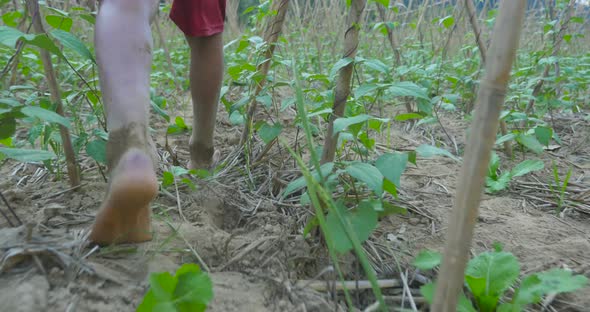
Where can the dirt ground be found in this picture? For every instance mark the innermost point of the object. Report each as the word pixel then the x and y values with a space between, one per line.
pixel 239 228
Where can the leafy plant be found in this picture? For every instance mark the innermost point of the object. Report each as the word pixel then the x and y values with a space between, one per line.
pixel 489 277
pixel 496 182
pixel 559 193
pixel 189 289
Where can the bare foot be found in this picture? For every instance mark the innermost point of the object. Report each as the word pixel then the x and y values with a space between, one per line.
pixel 202 157
pixel 124 216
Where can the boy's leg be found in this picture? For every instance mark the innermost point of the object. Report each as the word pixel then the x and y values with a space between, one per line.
pixel 206 74
pixel 202 22
pixel 123 49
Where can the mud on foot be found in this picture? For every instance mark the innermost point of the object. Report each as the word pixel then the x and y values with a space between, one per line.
pixel 124 216
pixel 202 156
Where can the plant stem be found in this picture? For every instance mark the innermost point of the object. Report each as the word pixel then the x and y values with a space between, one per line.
pixel 73 173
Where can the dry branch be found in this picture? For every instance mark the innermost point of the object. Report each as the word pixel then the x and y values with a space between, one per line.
pixel 344 77
pixel 319 285
pixel 483 52
pixel 491 96
pixel 73 173
pixel 390 35
pixel 273 30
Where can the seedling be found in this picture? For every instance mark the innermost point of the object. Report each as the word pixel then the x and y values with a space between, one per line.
pixel 496 182
pixel 189 290
pixel 560 193
pixel 490 276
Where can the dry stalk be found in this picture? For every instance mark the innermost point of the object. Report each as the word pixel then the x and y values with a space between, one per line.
pixel 483 52
pixel 392 40
pixel 491 95
pixel 320 285
pixel 273 30
pixel 344 77
pixel 73 173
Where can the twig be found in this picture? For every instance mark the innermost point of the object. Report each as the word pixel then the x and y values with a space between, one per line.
pixel 196 254
pixel 11 211
pixel 65 191
pixel 73 171
pixel 319 285
pixel 178 201
pixel 245 251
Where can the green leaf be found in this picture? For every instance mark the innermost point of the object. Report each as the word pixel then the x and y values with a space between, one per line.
pixel 384 3
pixel 526 167
pixel 368 174
pixel 72 42
pixel 489 275
pixel 345 122
pixel 505 138
pixel 427 260
pixel 27 155
pixel 510 307
pixel 363 221
pixel 392 166
pixel 544 134
pixel 377 65
pixel 59 22
pixel 365 89
pixel 427 292
pixel 300 183
pixel 530 142
pixel 160 111
pixel 268 133
pixel 179 126
pixel 178 171
pixel 408 116
pixel 310 225
pixel 46 115
pixel 561 281
pixel 390 209
pixel 493 166
pixel 7 127
pixel 167 179
pixel 265 100
pixel 9 36
pixel 43 42
pixel 10 18
pixel 463 305
pixel 97 150
pixel 236 118
pixel 148 303
pixel 426 150
pixel 529 292
pixel 389 187
pixel 188 290
pixel 501 183
pixel 162 285
pixel 406 88
pixel 194 289
pixel 159 297
pixel 448 21
pixel 343 62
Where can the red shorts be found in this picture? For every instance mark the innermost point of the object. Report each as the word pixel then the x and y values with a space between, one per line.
pixel 198 18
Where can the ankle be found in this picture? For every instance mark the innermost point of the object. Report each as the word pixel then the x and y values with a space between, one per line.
pixel 133 135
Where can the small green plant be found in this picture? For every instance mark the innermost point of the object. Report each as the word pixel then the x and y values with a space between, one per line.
pixel 496 182
pixel 490 275
pixel 189 289
pixel 560 193
pixel 177 173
